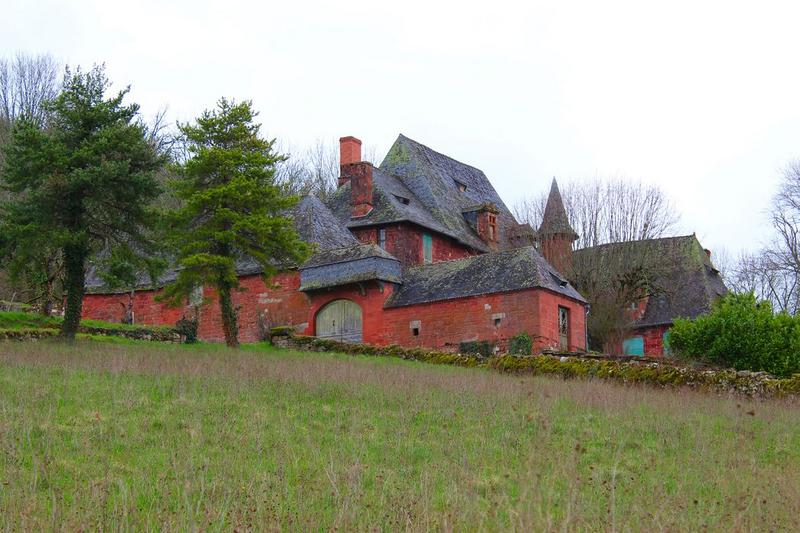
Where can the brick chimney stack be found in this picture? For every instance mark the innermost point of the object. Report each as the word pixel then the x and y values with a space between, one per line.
pixel 358 173
pixel 349 153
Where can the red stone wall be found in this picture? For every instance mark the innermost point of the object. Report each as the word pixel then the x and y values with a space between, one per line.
pixel 404 241
pixel 653 339
pixel 445 324
pixel 557 249
pixel 441 324
pixel 369 296
pixel 280 304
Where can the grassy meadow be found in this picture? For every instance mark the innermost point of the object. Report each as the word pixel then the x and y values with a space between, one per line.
pixel 106 435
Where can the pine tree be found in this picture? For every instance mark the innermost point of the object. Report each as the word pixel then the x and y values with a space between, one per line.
pixel 82 183
pixel 232 208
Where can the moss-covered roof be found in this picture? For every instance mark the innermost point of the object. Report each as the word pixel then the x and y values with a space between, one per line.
pixel 685 283
pixel 314 222
pixel 345 266
pixel 494 272
pixel 417 184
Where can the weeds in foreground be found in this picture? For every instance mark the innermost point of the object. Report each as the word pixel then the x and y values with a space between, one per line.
pixel 102 435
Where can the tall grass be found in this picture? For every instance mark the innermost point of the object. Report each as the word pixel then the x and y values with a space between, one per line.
pixel 147 436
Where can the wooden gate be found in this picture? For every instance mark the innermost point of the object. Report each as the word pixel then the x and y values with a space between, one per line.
pixel 340 320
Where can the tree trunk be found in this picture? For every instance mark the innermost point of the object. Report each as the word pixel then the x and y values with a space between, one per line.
pixel 74 259
pixel 229 325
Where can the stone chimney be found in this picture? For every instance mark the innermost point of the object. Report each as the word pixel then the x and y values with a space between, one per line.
pixel 358 173
pixel 349 153
pixel 487 225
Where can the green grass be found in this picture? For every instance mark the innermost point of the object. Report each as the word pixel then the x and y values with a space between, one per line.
pixel 150 436
pixel 17 320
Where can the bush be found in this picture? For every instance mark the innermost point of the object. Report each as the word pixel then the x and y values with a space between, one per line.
pixel 187 328
pixel 520 344
pixel 484 348
pixel 742 333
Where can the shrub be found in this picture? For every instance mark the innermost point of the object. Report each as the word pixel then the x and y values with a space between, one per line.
pixel 483 348
pixel 187 328
pixel 520 344
pixel 742 333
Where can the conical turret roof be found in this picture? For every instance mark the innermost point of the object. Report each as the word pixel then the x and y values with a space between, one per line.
pixel 555 220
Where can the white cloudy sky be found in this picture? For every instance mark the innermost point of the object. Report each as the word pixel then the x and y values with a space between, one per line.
pixel 700 97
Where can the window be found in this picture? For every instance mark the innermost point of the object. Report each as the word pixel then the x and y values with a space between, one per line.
pixel 382 238
pixel 415 332
pixel 492 219
pixel 665 342
pixel 427 248
pixel 402 199
pixel 461 187
pixel 497 322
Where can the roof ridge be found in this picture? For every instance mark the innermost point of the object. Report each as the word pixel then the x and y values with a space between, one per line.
pixel 428 148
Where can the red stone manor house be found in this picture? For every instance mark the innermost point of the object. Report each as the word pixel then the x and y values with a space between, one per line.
pixel 420 251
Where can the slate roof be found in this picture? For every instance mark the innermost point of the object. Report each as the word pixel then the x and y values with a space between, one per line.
pixel 494 272
pixel 431 182
pixel 314 222
pixel 555 220
pixel 686 284
pixel 387 206
pixel 344 266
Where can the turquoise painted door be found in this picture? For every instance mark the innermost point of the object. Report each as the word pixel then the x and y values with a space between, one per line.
pixel 340 320
pixel 633 346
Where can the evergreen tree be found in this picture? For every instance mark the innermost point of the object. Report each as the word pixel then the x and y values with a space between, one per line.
pixel 82 184
pixel 232 208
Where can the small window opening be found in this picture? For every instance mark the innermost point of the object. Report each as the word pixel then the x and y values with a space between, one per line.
pixel 382 238
pixel 492 227
pixel 415 332
pixel 497 322
pixel 402 199
pixel 461 187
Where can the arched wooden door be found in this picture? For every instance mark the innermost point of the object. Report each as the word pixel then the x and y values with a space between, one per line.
pixel 340 320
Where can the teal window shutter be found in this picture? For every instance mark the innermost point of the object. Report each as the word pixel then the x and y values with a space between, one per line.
pixel 427 248
pixel 633 346
pixel 665 342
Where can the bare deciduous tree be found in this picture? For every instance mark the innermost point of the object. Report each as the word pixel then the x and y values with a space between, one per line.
pixel 604 211
pixel 773 272
pixel 314 170
pixel 26 84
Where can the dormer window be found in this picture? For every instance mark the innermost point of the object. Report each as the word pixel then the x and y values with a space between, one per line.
pixel 492 221
pixel 402 199
pixel 461 186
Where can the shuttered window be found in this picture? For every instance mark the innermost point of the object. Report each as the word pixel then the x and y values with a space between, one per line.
pixel 427 248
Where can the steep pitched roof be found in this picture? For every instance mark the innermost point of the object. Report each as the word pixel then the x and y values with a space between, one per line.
pixel 686 281
pixel 392 202
pixel 495 272
pixel 314 222
pixel 439 190
pixel 555 220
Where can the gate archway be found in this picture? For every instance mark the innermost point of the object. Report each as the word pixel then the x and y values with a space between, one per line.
pixel 340 320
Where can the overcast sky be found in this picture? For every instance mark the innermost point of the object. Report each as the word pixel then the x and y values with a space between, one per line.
pixel 701 98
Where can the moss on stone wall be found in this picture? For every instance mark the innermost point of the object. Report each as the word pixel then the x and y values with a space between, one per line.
pixel 755 384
